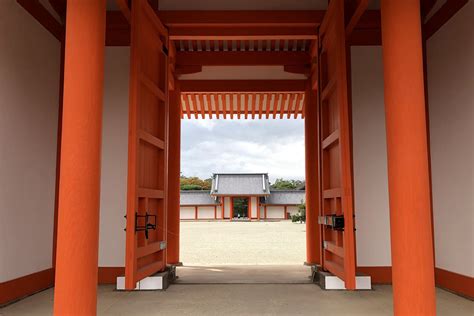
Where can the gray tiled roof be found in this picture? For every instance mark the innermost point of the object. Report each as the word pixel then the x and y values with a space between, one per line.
pixel 288 197
pixel 241 183
pixel 196 198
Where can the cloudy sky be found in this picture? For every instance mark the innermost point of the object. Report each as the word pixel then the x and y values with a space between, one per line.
pixel 273 146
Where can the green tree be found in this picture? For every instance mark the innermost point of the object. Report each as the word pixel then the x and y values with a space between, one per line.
pixel 301 215
pixel 281 184
pixel 195 183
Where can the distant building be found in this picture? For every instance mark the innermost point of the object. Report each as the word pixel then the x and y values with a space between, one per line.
pixel 244 195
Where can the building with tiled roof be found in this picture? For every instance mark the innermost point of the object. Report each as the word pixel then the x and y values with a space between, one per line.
pixel 240 195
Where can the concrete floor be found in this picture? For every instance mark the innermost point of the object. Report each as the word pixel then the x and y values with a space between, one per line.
pixel 244 274
pixel 242 299
pixel 209 285
pixel 236 243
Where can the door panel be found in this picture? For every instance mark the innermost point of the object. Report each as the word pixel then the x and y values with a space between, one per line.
pixel 147 146
pixel 335 149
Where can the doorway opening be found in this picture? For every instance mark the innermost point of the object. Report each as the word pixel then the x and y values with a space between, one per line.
pixel 240 208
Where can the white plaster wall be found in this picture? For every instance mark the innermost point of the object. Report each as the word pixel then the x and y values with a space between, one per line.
pixel 275 212
pixel 450 53
pixel 29 89
pixel 206 212
pixel 253 206
pixel 292 210
pixel 219 212
pixel 187 212
pixel 372 217
pixel 227 207
pixel 113 196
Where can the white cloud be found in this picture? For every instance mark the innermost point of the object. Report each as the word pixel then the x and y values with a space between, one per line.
pixel 273 146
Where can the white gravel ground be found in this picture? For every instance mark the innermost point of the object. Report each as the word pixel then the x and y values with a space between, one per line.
pixel 242 243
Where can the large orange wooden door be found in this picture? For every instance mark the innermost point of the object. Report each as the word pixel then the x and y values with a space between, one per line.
pixel 147 146
pixel 337 215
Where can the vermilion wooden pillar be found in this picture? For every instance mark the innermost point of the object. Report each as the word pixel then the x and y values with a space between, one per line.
pixel 408 173
pixel 79 191
pixel 313 240
pixel 174 156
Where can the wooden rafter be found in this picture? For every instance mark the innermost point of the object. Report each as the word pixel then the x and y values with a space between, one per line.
pixel 446 12
pixel 354 19
pixel 262 103
pixel 239 105
pixel 269 101
pixel 216 105
pixel 188 106
pixel 275 104
pixel 246 101
pixel 253 97
pixel 44 17
pixel 283 103
pixel 231 105
pixel 221 97
pixel 194 97
pixel 291 99
pixel 299 97
pixel 258 105
pixel 201 105
pixel 124 8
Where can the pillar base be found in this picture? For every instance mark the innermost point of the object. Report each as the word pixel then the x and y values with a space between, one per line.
pixel 328 281
pixel 158 282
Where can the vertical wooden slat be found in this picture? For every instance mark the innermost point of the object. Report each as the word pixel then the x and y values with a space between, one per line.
pixel 239 105
pixel 275 104
pixel 299 99
pixel 269 103
pixel 283 104
pixel 221 98
pixel 246 103
pixel 254 104
pixel 291 103
pixel 201 105
pixel 231 104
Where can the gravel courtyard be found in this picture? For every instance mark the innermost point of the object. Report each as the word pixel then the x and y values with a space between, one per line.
pixel 242 243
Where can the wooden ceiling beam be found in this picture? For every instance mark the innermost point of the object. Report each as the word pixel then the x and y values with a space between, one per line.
pixel 44 17
pixel 237 24
pixel 443 15
pixel 263 18
pixel 125 9
pixel 298 69
pixel 259 58
pixel 356 15
pixel 242 85
pixel 187 69
pixel 59 6
pixel 243 33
